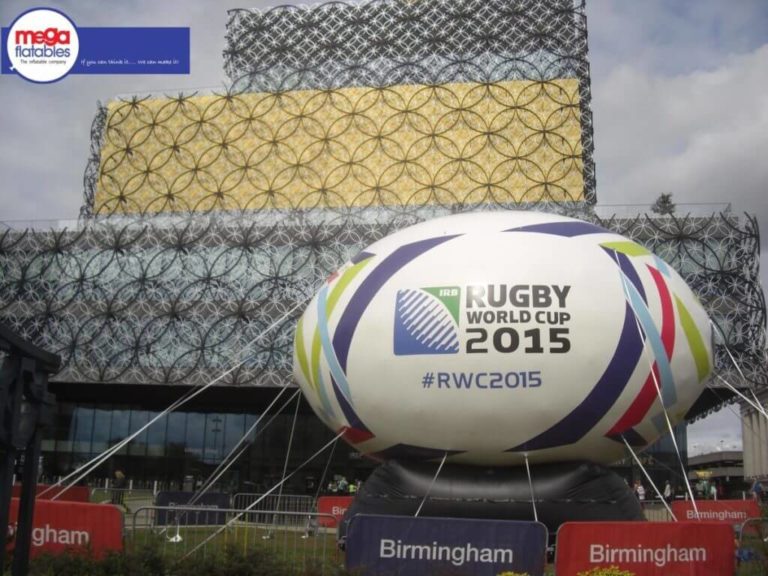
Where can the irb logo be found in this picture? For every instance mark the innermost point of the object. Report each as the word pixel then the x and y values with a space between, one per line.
pixel 427 321
pixel 49 36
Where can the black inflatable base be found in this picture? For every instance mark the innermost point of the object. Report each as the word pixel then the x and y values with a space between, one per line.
pixel 563 492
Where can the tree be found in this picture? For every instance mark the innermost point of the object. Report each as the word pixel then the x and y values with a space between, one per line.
pixel 663 205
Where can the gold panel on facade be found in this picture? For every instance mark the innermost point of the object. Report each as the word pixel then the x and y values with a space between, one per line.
pixel 462 143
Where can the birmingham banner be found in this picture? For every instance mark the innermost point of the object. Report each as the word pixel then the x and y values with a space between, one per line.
pixel 410 546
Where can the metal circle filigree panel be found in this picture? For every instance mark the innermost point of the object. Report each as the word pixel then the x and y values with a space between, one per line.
pixel 182 300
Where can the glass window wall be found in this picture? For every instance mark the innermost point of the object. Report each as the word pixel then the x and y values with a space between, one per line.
pixel 192 443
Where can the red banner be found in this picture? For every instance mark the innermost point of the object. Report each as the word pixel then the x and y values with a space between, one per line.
pixel 647 548
pixel 58 526
pixel 336 505
pixel 73 494
pixel 727 511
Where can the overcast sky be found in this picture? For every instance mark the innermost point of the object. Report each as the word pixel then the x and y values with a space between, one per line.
pixel 679 100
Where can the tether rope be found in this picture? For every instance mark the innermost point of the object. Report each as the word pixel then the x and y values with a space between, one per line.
pixel 657 385
pixel 653 485
pixel 263 496
pixel 285 464
pixel 530 487
pixel 241 445
pixel 431 484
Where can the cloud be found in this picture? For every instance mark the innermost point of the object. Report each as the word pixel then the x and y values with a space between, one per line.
pixel 700 135
pixel 720 431
pixel 671 37
pixel 679 103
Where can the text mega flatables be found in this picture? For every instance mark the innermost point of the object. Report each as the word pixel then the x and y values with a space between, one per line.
pixel 488 336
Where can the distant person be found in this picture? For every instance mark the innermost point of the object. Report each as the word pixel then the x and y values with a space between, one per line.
pixel 667 491
pixel 713 491
pixel 343 485
pixel 757 490
pixel 640 491
pixel 118 488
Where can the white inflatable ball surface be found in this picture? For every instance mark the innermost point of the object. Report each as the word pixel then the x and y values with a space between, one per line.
pixel 492 335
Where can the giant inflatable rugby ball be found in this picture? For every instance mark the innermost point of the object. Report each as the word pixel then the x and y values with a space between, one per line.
pixel 490 336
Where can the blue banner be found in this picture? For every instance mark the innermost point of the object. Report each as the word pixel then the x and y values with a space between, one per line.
pixel 126 51
pixel 407 546
pixel 211 501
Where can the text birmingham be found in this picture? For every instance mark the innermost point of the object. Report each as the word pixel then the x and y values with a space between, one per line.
pixel 456 555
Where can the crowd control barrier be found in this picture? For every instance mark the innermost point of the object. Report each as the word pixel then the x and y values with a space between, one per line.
pixel 274 501
pixel 753 545
pixel 297 539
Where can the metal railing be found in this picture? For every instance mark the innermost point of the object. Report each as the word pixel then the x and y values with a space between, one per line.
pixel 690 209
pixel 655 511
pixel 282 503
pixel 298 540
pixel 128 498
pixel 752 552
